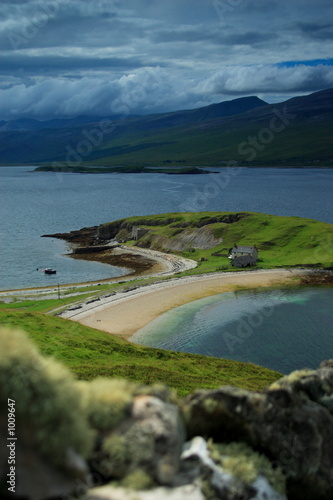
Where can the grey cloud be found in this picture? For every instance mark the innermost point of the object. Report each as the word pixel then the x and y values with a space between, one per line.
pixel 194 34
pixel 242 80
pixel 147 90
pixel 316 30
pixel 89 56
pixel 44 65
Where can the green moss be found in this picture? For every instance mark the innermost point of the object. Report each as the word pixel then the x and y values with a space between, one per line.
pixel 246 464
pixel 294 377
pixel 118 456
pixel 138 480
pixel 210 405
pixel 47 400
pixel 106 402
pixel 128 451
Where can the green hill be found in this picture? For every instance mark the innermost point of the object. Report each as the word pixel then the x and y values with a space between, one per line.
pixel 247 131
pixel 281 241
pixel 90 353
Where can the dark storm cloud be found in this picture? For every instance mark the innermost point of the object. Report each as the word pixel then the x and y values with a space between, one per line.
pixel 67 57
pixel 317 31
pixel 217 38
pixel 54 64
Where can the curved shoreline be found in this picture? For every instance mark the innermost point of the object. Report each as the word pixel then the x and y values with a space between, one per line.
pixel 124 313
pixel 142 261
pixel 152 264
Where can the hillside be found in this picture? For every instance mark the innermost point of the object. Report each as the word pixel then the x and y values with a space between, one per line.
pixel 91 353
pixel 207 237
pixel 247 131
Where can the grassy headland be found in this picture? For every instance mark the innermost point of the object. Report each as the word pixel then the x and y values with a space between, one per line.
pixel 207 237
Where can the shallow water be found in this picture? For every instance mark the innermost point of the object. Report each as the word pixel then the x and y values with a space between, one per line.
pixel 284 330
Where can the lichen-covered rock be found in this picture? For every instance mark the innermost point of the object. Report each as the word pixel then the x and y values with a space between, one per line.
pixel 107 402
pixel 52 434
pixel 150 439
pixel 291 422
pixel 232 472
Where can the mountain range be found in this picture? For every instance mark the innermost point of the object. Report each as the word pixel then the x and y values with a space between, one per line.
pixel 245 131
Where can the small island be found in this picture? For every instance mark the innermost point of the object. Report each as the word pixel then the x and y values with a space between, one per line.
pixel 123 170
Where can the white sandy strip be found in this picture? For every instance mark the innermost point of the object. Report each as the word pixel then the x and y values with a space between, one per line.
pixel 165 265
pixel 168 263
pixel 124 313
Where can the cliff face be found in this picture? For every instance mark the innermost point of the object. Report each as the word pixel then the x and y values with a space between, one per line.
pixel 186 234
pixel 125 440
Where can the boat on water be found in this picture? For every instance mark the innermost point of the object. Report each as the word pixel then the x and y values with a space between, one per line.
pixel 48 270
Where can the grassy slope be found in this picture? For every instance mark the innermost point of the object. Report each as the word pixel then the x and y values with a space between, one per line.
pixel 281 241
pixel 296 144
pixel 91 353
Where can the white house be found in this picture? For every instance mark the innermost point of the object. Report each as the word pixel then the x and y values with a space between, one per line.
pixel 241 251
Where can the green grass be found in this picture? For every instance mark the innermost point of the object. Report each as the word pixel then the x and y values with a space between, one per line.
pixel 90 353
pixel 298 144
pixel 281 241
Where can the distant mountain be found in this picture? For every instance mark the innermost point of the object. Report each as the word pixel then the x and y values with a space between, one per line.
pixel 31 124
pixel 248 131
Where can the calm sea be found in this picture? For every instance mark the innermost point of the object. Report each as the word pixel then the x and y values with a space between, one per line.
pixel 284 330
pixel 32 204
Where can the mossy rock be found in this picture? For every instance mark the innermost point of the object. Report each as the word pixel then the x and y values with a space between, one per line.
pixel 46 397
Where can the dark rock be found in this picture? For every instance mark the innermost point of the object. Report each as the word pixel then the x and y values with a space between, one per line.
pixel 150 439
pixel 291 423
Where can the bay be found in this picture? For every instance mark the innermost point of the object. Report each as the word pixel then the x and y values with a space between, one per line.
pixel 285 329
pixel 32 204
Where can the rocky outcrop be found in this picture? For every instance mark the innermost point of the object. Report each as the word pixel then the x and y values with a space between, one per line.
pixel 201 238
pixel 291 423
pixel 114 439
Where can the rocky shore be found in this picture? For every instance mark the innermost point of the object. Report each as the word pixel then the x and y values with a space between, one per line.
pixel 88 244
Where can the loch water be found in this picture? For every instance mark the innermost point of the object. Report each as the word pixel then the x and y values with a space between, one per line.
pixel 282 329
pixel 33 204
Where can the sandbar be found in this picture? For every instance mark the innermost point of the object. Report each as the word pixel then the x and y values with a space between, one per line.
pixel 125 313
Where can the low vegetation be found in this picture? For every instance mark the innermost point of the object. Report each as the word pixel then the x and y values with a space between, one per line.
pixel 91 353
pixel 281 241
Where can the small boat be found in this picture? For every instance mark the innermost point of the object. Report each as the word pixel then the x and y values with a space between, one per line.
pixel 48 270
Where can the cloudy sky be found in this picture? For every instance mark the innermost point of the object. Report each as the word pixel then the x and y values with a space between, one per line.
pixel 62 58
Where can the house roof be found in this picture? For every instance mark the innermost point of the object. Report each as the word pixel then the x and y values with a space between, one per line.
pixel 242 249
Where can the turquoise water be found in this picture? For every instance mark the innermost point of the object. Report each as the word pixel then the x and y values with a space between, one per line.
pixel 284 330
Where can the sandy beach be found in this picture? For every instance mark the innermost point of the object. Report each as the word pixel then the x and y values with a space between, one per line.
pixel 124 313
